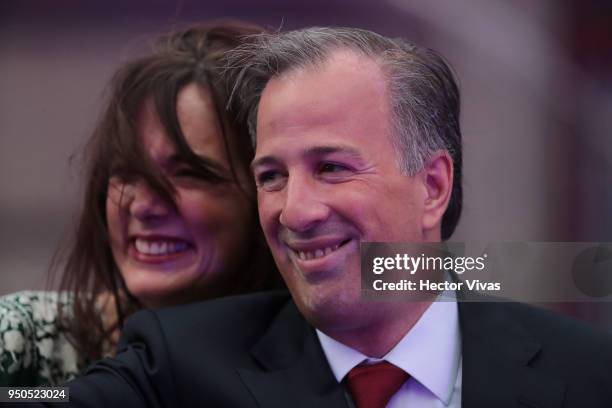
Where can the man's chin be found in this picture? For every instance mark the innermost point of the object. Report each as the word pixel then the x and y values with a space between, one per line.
pixel 329 309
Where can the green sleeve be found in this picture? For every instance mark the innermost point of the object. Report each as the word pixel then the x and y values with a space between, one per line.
pixel 18 354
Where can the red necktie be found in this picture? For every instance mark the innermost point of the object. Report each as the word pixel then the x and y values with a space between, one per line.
pixel 372 386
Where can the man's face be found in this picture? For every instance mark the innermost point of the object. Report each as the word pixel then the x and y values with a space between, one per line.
pixel 327 179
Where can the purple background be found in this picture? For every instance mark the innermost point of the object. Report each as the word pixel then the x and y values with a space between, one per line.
pixel 535 77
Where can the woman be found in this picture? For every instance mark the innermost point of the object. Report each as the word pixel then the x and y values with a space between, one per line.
pixel 169 212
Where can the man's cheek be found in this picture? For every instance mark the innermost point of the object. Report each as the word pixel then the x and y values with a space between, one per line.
pixel 264 210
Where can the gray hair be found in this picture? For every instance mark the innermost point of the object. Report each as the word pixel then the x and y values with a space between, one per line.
pixel 423 94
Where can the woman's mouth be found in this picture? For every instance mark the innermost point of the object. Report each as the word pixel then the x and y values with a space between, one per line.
pixel 159 247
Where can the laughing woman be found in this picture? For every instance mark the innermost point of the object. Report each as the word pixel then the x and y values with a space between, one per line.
pixel 168 217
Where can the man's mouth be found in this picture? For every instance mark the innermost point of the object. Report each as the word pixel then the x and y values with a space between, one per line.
pixel 316 249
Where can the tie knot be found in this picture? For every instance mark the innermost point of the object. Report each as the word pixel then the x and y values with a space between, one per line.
pixel 372 386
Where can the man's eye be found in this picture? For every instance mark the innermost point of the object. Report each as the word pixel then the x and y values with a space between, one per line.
pixel 332 168
pixel 270 180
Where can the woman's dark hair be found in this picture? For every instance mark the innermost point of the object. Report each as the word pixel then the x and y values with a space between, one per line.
pixel 192 55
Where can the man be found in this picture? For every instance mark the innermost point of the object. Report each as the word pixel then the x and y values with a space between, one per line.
pixel 357 140
pixel 336 165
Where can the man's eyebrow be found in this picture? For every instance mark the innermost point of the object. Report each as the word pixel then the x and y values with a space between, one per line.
pixel 261 161
pixel 325 150
pixel 310 152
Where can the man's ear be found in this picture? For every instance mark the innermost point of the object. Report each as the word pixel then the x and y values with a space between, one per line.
pixel 438 178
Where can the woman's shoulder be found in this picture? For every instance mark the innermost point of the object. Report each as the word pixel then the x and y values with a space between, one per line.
pixel 33 346
pixel 34 300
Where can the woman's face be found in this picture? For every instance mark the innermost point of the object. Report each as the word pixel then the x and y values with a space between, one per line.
pixel 166 255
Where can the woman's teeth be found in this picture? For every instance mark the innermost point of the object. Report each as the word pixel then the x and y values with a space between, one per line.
pixel 159 247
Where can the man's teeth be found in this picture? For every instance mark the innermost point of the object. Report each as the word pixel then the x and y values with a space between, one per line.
pixel 318 253
pixel 159 247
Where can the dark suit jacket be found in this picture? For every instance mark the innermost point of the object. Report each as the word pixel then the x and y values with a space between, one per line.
pixel 258 351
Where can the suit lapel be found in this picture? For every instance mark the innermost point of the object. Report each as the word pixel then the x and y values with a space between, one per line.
pixel 497 361
pixel 295 372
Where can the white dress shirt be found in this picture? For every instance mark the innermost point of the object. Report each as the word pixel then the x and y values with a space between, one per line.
pixel 430 352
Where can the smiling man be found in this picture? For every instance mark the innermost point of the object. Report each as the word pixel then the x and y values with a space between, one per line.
pixel 328 178
pixel 357 139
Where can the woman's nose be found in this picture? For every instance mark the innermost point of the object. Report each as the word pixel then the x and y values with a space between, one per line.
pixel 146 203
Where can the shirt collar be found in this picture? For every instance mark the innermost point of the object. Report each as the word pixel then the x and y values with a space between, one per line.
pixel 430 352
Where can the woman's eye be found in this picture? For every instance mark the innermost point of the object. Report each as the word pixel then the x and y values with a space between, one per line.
pixel 119 187
pixel 206 175
pixel 270 180
pixel 122 176
pixel 187 173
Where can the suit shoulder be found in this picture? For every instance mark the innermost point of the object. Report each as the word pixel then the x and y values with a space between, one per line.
pixel 241 307
pixel 229 317
pixel 551 324
pixel 576 342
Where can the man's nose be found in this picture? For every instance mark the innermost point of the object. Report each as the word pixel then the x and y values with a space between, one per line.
pixel 304 206
pixel 146 204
